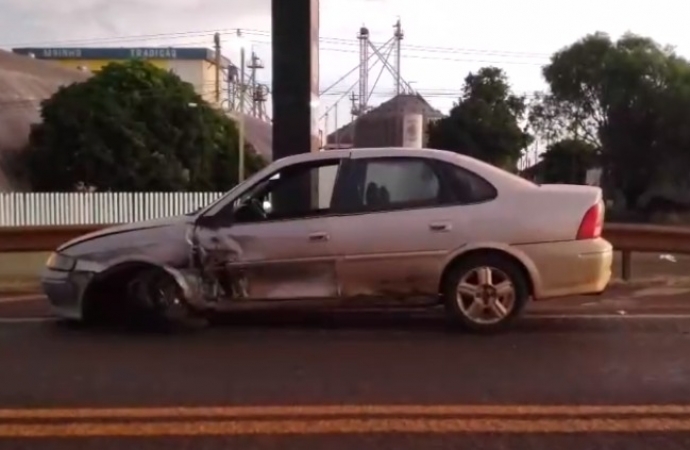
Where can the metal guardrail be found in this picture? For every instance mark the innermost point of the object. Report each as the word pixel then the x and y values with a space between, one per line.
pixel 629 238
pixel 41 238
pixel 626 238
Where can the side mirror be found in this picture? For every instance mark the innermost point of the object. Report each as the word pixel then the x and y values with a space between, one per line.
pixel 215 221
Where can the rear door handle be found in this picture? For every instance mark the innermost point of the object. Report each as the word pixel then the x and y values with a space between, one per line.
pixel 319 237
pixel 440 226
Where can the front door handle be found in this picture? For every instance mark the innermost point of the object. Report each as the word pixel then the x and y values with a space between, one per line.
pixel 440 226
pixel 319 236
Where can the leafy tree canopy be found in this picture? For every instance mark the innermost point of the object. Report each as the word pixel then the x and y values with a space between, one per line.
pixel 485 123
pixel 134 127
pixel 629 97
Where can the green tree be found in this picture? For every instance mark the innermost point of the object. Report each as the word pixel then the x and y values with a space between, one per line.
pixel 133 127
pixel 575 107
pixel 567 161
pixel 628 97
pixel 485 123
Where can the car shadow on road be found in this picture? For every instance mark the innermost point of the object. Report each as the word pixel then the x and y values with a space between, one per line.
pixel 425 321
pixel 281 319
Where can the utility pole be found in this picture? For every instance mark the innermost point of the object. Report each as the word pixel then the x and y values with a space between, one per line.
pixel 399 35
pixel 337 134
pixel 216 45
pixel 241 112
pixel 325 130
pixel 257 98
pixel 262 95
pixel 295 91
pixel 232 86
pixel 354 110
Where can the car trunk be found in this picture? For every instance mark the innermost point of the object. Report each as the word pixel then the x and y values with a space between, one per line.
pixel 558 210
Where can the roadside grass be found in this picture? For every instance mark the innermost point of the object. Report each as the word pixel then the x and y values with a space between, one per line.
pixel 20 272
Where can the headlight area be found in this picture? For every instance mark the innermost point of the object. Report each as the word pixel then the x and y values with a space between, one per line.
pixel 63 263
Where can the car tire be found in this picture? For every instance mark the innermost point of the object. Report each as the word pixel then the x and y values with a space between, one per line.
pixel 162 303
pixel 485 292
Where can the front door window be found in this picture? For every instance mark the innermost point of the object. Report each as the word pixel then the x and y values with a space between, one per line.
pixel 300 191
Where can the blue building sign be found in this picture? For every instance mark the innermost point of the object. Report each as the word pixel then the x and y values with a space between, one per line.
pixel 114 53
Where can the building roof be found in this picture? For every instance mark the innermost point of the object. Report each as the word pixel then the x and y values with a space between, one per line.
pixel 24 83
pixel 122 53
pixel 534 170
pixel 397 106
pixel 259 134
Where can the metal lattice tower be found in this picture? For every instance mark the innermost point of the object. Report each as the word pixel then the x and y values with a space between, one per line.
pixel 370 55
pixel 363 93
pixel 398 35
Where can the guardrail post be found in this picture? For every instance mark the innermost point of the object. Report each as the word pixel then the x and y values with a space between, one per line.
pixel 626 264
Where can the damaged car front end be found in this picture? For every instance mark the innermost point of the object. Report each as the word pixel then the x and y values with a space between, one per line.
pixel 153 267
pixel 145 266
pixel 176 267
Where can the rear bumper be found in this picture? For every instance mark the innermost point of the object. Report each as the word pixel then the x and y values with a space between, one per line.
pixel 570 268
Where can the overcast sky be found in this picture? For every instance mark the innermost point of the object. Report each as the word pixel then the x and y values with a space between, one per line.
pixel 446 39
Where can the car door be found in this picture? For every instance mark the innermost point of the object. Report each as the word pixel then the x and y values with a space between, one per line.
pixel 286 254
pixel 402 224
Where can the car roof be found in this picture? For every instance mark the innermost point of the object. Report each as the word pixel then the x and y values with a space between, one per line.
pixel 366 152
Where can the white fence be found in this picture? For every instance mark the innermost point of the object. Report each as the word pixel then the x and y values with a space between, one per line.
pixel 26 209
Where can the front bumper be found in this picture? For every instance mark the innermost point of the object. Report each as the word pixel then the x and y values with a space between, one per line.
pixel 65 291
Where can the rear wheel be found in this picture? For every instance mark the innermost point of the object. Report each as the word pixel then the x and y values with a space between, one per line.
pixel 485 292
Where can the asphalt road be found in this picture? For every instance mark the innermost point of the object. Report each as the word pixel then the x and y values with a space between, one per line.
pixel 579 374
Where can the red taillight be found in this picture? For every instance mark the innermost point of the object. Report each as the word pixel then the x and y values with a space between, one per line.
pixel 592 223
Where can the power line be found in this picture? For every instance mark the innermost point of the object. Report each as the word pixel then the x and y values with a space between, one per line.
pixel 266 34
pixel 446 93
pixel 207 88
pixel 353 70
pixel 420 57
pixel 114 39
pixel 438 58
pixel 426 48
pixel 334 44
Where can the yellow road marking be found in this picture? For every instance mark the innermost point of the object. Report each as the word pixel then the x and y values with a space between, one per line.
pixel 229 412
pixel 341 419
pixel 342 426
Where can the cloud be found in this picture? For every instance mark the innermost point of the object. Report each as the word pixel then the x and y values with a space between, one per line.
pixel 97 23
pixel 28 21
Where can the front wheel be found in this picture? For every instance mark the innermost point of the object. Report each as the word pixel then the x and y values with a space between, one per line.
pixel 485 292
pixel 161 300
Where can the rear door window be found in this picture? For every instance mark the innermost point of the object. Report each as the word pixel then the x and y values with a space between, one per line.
pixel 397 183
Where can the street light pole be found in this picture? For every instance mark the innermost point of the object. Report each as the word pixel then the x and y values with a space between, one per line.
pixel 241 110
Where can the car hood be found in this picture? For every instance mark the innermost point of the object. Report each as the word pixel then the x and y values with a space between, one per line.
pixel 126 228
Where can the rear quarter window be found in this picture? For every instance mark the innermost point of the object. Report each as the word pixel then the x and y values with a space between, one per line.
pixel 467 187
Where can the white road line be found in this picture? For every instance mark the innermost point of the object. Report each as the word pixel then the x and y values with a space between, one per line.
pixel 664 316
pixel 21 298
